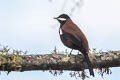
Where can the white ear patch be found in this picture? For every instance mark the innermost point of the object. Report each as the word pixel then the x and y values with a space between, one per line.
pixel 62 19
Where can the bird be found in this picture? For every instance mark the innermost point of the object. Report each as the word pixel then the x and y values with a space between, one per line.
pixel 72 37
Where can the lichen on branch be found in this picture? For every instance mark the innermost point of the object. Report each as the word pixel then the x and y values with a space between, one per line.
pixel 17 61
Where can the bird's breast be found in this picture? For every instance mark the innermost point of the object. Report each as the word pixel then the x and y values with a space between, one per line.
pixel 66 40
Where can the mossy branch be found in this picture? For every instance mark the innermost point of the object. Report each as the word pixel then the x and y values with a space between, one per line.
pixel 56 61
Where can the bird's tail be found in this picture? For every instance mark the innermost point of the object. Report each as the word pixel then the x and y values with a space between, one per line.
pixel 89 64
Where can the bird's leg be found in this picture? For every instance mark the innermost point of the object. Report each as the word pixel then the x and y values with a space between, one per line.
pixel 78 52
pixel 71 51
pixel 66 51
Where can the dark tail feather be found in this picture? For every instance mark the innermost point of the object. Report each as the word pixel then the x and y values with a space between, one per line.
pixel 89 64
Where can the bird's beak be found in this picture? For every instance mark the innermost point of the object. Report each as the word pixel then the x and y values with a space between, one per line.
pixel 55 18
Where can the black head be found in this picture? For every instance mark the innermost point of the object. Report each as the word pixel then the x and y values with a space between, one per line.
pixel 62 18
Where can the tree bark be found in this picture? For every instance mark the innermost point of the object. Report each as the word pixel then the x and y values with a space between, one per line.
pixel 56 61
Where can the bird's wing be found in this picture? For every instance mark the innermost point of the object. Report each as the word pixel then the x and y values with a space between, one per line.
pixel 75 32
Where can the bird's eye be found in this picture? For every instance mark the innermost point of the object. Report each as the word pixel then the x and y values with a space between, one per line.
pixel 62 19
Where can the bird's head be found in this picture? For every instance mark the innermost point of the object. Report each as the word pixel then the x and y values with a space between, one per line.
pixel 62 18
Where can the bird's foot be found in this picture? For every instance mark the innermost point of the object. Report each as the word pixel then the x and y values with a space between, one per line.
pixel 71 51
pixel 78 53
